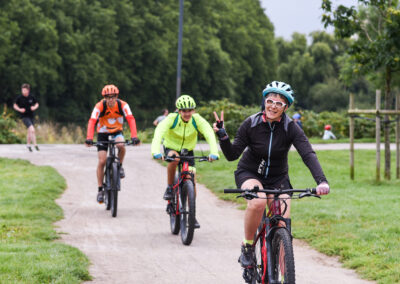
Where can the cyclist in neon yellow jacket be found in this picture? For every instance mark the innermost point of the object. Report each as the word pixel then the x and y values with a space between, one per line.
pixel 179 131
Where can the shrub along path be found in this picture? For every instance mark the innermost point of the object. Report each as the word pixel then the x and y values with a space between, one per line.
pixel 137 246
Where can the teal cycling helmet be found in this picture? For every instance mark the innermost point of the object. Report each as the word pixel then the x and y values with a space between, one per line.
pixel 185 102
pixel 280 88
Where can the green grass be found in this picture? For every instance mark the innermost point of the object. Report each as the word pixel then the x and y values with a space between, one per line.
pixel 28 252
pixel 358 221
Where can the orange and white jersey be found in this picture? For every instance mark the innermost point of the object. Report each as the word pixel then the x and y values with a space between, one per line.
pixel 111 120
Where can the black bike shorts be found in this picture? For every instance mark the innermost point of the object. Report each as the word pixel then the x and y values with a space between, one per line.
pixel 190 153
pixel 104 137
pixel 28 121
pixel 242 175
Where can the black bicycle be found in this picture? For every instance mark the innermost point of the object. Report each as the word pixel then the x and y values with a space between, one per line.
pixel 182 207
pixel 112 180
pixel 274 259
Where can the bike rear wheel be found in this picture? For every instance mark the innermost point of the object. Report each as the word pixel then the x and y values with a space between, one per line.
pixel 283 270
pixel 172 211
pixel 115 182
pixel 188 212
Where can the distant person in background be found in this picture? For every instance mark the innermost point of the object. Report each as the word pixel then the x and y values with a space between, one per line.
pixel 296 118
pixel 160 118
pixel 26 104
pixel 328 134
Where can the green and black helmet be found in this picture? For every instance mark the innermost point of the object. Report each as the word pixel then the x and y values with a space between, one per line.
pixel 185 102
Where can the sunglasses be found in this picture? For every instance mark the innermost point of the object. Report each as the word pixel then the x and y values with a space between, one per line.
pixel 110 97
pixel 278 104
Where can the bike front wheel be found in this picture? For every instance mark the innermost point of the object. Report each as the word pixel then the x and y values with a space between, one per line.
pixel 188 212
pixel 282 259
pixel 115 182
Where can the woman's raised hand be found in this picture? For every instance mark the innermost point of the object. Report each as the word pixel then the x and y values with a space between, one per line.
pixel 219 122
pixel 218 126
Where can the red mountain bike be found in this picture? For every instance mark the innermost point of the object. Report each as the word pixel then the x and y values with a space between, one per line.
pixel 274 259
pixel 182 207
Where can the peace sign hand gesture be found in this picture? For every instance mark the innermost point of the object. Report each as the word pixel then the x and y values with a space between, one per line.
pixel 219 122
pixel 218 126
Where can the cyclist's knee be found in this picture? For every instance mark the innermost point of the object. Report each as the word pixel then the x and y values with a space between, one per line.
pixel 257 204
pixel 102 158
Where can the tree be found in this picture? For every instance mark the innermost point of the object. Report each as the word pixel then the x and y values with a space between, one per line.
pixel 376 47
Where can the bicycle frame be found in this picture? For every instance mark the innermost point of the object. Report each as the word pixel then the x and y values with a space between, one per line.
pixel 183 174
pixel 111 158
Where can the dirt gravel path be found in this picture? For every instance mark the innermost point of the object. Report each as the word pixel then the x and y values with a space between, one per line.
pixel 137 246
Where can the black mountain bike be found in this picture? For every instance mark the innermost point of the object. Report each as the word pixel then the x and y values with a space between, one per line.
pixel 274 259
pixel 182 207
pixel 112 180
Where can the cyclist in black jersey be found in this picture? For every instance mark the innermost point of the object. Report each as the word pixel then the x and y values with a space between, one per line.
pixel 265 138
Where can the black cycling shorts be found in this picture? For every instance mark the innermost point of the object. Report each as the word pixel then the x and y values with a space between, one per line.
pixel 28 121
pixel 104 137
pixel 190 153
pixel 242 175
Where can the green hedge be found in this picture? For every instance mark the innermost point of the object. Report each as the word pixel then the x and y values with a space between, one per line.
pixel 313 123
pixel 7 126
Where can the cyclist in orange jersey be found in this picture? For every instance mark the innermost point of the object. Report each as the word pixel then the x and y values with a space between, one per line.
pixel 109 114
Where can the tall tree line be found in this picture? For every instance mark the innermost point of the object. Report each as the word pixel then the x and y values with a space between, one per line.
pixel 69 49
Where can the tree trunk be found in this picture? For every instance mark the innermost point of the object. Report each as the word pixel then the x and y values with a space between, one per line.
pixel 388 105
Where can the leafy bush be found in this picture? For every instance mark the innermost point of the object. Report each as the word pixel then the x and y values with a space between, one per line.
pixel 7 126
pixel 313 122
pixel 234 114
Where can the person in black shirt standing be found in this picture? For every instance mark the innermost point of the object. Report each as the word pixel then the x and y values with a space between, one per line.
pixel 265 139
pixel 26 104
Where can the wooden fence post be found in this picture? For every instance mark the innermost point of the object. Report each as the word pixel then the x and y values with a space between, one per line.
pixel 397 137
pixel 351 134
pixel 378 136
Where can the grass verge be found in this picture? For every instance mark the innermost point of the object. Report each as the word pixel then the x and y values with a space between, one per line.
pixel 28 253
pixel 359 220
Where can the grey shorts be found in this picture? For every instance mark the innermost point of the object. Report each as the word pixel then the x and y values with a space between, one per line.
pixel 28 121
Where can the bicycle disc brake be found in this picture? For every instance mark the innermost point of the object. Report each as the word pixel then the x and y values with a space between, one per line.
pixel 170 209
pixel 248 274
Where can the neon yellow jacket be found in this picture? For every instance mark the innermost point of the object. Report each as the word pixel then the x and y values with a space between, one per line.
pixel 179 134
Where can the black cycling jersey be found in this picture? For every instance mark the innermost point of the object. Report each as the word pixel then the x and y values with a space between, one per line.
pixel 26 103
pixel 267 146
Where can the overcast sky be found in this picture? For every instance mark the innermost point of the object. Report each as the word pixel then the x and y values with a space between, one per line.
pixel 303 16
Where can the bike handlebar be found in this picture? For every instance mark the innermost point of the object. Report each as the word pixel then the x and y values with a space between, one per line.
pixel 251 193
pixel 101 143
pixel 185 158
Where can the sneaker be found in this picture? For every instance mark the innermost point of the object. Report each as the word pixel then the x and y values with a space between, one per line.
pixel 196 224
pixel 246 259
pixel 29 148
pixel 121 172
pixel 37 148
pixel 100 197
pixel 168 193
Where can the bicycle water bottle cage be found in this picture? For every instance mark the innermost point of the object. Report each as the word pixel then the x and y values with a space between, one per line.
pixel 184 152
